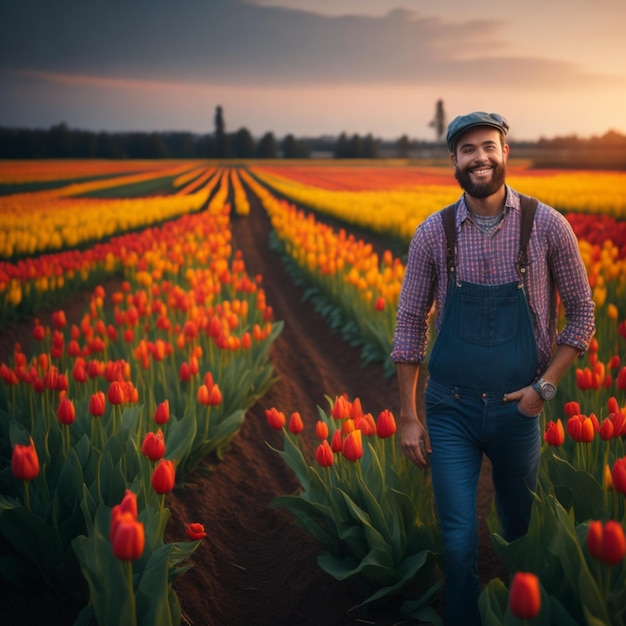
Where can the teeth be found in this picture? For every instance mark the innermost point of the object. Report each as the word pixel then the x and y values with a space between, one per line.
pixel 484 171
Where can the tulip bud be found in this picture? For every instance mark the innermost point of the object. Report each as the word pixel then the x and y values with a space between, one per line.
pixel 164 477
pixel 525 596
pixel 128 539
pixel 386 425
pixel 66 412
pixel 619 475
pixel 24 461
pixel 353 446
pixel 321 430
pixel 116 393
pixel 153 445
pixel 554 435
pixel 324 455
pixel 275 418
pixel 162 413
pixel 296 424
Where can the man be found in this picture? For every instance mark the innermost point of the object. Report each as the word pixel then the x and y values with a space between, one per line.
pixel 497 356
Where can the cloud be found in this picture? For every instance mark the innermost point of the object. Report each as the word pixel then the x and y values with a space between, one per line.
pixel 229 42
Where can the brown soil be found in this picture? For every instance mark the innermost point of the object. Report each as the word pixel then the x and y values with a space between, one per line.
pixel 256 567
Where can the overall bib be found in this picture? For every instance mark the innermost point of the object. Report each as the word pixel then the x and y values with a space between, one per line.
pixel 485 348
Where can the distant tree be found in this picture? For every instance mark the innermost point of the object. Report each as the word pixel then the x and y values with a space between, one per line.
pixel 342 147
pixel 355 147
pixel 294 149
pixel 439 121
pixel 404 147
pixel 369 148
pixel 267 146
pixel 60 141
pixel 222 146
pixel 243 144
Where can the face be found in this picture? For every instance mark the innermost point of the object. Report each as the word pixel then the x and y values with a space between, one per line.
pixel 480 161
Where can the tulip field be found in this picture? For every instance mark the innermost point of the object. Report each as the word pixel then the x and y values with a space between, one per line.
pixel 110 409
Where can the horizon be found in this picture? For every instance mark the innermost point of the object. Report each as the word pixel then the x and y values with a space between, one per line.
pixel 314 67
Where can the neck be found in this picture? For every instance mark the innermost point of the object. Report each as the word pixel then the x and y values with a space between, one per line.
pixel 491 205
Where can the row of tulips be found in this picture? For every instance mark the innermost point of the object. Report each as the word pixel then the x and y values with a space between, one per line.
pixel 58 219
pixel 110 413
pixel 355 290
pixel 36 282
pixel 407 199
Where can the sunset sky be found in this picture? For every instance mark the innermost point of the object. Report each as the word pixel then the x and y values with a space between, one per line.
pixel 314 67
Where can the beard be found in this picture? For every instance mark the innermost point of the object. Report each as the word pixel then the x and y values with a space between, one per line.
pixel 481 190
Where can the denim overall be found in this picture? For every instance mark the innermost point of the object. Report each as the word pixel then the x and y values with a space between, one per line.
pixel 485 348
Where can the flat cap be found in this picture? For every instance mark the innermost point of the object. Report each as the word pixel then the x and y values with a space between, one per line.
pixel 479 118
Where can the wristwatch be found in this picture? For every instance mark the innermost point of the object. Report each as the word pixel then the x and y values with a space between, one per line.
pixel 545 389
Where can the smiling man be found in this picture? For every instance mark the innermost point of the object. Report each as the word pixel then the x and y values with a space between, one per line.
pixel 494 265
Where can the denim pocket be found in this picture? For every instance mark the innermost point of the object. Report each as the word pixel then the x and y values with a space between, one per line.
pixel 486 323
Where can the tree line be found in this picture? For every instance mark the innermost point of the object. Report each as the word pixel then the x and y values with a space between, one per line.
pixel 61 141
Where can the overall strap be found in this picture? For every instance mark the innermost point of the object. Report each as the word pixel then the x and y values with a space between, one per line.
pixel 528 210
pixel 449 227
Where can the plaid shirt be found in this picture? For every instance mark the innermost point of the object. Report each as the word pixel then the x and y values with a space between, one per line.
pixel 556 271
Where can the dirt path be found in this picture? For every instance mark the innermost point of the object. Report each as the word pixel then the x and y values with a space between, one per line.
pixel 256 567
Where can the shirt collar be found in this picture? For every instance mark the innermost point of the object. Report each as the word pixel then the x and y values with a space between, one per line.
pixel 511 203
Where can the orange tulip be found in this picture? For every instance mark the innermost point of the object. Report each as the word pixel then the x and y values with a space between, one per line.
pixel 341 408
pixel 24 461
pixel 353 446
pixel 554 435
pixel 275 418
pixel 296 425
pixel 164 477
pixel 594 539
pixel 525 596
pixel 321 430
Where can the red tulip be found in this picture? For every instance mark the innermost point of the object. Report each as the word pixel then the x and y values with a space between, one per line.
pixel 275 418
pixel 66 412
pixel 619 475
pixel 324 455
pixel 525 596
pixel 621 379
pixel 606 429
pixel 116 393
pixel 296 425
pixel 613 405
pixel 341 408
pixel 195 531
pixel 613 543
pixel 554 435
pixel 379 304
pixel 336 443
pixel 594 539
pixel 153 445
pixel 24 461
pixel 162 413
pixel 164 477
pixel 572 408
pixel 353 446
pixel 386 425
pixel 203 395
pixel 128 537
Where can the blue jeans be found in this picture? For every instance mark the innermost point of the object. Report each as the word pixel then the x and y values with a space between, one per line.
pixel 462 425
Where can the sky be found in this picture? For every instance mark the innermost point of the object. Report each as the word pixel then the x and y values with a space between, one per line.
pixel 313 67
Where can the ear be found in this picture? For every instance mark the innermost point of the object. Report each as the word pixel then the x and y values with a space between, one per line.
pixel 453 158
pixel 505 151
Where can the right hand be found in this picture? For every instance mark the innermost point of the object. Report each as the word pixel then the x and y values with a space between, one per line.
pixel 415 442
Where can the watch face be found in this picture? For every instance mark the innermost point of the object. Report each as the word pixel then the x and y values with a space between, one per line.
pixel 548 391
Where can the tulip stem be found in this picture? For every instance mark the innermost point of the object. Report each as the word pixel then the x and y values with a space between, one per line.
pixel 26 495
pixel 131 588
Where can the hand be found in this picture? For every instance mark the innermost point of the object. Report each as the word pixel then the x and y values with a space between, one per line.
pixel 415 442
pixel 529 402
